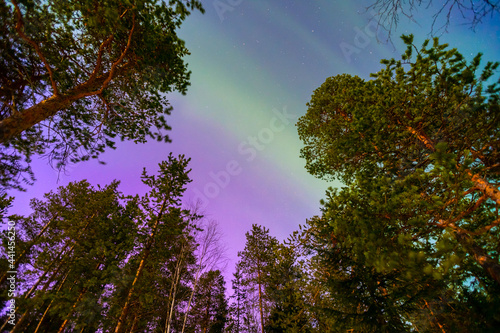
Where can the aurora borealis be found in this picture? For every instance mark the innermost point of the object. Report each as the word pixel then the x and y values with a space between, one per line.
pixel 254 67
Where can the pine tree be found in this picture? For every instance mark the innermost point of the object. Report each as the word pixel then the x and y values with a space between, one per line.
pixel 64 268
pixel 164 230
pixel 417 150
pixel 93 256
pixel 89 72
pixel 288 311
pixel 209 312
pixel 238 298
pixel 256 261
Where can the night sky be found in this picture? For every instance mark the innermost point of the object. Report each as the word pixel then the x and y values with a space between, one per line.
pixel 254 67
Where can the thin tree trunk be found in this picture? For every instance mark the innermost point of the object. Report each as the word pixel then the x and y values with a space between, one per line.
pixel 5 323
pixel 145 255
pixel 50 304
pixel 82 293
pixel 47 283
pixel 61 262
pixel 43 316
pixel 260 302
pixel 191 298
pixel 24 315
pixel 19 322
pixel 138 273
pixel 134 323
pixel 176 281
pixel 26 296
pixel 65 322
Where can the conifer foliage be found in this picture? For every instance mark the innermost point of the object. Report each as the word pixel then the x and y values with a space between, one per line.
pixel 416 224
pixel 92 259
pixel 77 75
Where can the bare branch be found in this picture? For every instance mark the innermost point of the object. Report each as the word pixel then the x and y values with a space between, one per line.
pixel 389 11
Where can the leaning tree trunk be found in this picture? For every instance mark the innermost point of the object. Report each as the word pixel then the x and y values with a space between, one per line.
pixel 45 312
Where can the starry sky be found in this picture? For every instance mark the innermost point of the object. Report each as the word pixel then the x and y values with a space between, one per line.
pixel 254 66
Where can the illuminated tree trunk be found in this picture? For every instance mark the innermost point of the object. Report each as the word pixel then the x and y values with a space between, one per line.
pixel 65 322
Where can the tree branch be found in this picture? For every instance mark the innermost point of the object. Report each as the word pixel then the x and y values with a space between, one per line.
pixel 19 29
pixel 120 59
pixel 99 57
pixel 21 121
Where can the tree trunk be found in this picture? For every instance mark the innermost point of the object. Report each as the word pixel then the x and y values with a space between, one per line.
pixel 190 299
pixel 260 302
pixel 175 282
pixel 43 316
pixel 82 293
pixel 134 323
pixel 48 307
pixel 145 255
pixel 65 322
pixel 47 283
pixel 33 288
pixel 58 267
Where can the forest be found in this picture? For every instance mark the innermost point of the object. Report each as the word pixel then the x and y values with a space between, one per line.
pixel 409 243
